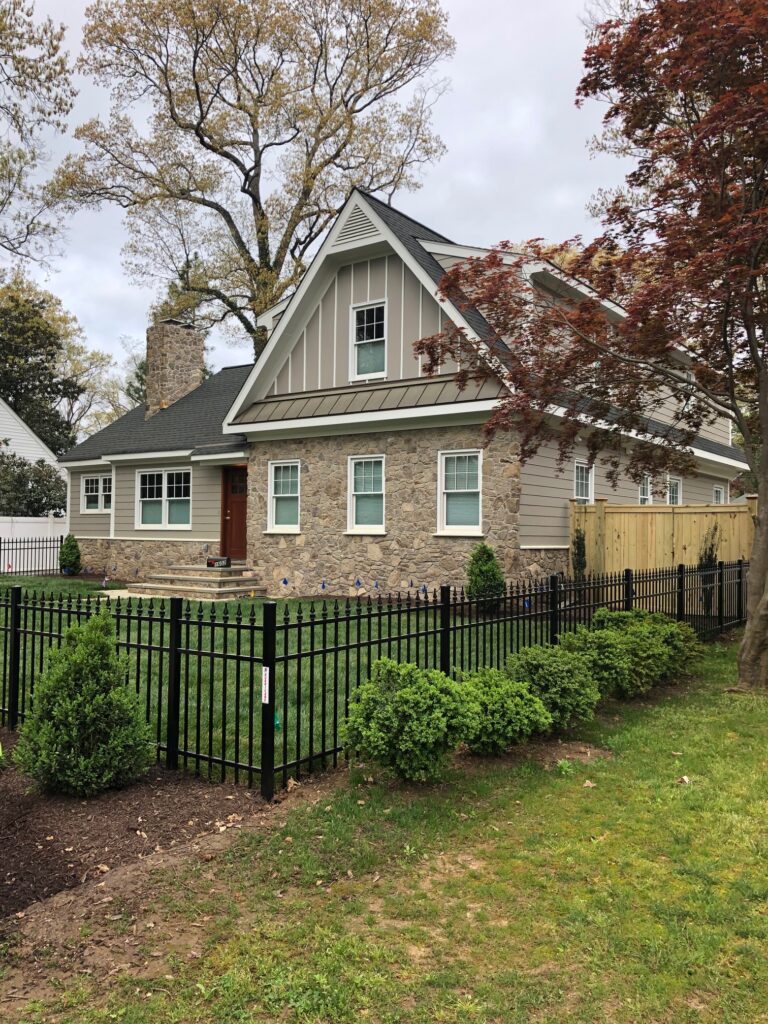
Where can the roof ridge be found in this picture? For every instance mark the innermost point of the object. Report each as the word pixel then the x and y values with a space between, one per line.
pixel 405 216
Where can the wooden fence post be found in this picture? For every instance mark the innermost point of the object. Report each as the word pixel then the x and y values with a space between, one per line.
pixel 174 684
pixel 14 651
pixel 268 650
pixel 599 537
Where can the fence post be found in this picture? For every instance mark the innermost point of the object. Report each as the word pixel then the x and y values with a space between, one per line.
pixel 174 684
pixel 629 590
pixel 445 629
pixel 269 626
pixel 14 660
pixel 554 608
pixel 740 591
pixel 721 597
pixel 681 592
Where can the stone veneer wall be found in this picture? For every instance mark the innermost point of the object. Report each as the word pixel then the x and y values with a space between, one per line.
pixel 131 560
pixel 408 551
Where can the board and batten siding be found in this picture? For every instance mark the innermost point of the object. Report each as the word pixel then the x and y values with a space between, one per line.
pixel 320 357
pixel 545 495
pixel 90 524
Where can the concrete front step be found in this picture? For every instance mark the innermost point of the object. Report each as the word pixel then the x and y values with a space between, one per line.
pixel 214 583
pixel 197 593
pixel 202 570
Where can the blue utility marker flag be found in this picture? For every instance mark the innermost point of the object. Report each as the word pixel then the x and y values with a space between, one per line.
pixel 423 588
pixel 358 583
pixel 284 581
pixel 376 585
pixel 410 584
pixel 323 585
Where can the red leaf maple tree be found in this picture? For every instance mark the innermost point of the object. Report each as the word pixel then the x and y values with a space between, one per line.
pixel 672 311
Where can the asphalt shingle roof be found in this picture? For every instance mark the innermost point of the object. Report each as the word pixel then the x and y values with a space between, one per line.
pixel 192 422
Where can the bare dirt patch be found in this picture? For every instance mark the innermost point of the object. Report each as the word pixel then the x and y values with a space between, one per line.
pixel 549 752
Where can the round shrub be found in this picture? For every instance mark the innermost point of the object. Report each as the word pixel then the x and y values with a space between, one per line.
pixel 658 648
pixel 86 732
pixel 610 664
pixel 560 679
pixel 507 712
pixel 485 580
pixel 408 719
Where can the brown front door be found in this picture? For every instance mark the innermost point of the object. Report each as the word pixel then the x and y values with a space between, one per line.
pixel 234 501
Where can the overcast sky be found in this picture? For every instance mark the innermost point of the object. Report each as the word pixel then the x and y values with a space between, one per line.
pixel 517 164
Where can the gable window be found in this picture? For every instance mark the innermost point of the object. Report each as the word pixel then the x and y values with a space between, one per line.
pixel 459 493
pixel 646 491
pixel 583 483
pixel 366 495
pixel 164 499
pixel 718 495
pixel 369 344
pixel 674 490
pixel 283 515
pixel 96 494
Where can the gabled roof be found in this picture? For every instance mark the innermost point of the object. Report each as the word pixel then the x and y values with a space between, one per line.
pixel 193 421
pixel 22 439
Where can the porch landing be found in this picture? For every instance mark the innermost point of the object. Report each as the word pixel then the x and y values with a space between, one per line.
pixel 199 583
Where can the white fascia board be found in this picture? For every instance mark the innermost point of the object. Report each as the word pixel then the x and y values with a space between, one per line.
pixel 381 420
pixel 265 319
pixel 143 456
pixel 222 457
pixel 83 462
pixel 326 249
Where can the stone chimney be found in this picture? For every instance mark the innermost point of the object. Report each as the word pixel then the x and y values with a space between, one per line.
pixel 175 361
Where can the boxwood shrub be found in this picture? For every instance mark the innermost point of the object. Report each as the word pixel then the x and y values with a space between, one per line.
pixel 505 712
pixel 608 655
pixel 86 732
pixel 408 719
pixel 560 679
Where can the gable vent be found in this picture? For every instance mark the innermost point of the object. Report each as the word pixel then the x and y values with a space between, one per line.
pixel 356 228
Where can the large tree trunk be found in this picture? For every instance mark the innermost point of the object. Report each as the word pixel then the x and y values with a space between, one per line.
pixel 753 654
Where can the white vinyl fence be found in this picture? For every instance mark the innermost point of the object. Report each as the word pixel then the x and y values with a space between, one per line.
pixel 30 546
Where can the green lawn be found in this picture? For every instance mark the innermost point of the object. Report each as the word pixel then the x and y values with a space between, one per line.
pixel 508 894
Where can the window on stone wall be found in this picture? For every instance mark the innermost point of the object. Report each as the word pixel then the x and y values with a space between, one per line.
pixel 459 493
pixel 366 495
pixel 284 495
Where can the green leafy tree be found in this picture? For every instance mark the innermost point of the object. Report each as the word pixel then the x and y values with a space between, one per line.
pixel 29 488
pixel 86 731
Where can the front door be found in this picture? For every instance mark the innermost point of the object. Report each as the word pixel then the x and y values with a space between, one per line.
pixel 234 502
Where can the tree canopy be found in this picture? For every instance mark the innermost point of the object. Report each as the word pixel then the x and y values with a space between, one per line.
pixel 262 115
pixel 29 488
pixel 684 251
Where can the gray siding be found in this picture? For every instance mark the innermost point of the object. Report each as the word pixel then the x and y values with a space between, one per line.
pixel 320 356
pixel 206 503
pixel 545 495
pixel 89 524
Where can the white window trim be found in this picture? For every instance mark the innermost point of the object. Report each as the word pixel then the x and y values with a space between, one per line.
pixel 164 525
pixel 679 481
pixel 271 527
pixel 650 492
pixel 353 375
pixel 457 531
pixel 100 511
pixel 583 462
pixel 726 489
pixel 363 531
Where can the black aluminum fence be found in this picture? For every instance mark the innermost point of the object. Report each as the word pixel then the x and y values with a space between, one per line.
pixel 260 691
pixel 29 556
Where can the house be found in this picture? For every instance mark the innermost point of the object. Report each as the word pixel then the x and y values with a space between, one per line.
pixel 21 439
pixel 334 464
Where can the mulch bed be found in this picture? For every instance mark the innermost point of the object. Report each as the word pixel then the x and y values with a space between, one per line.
pixel 49 843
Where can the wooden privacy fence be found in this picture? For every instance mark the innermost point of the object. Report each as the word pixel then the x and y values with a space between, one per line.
pixel 652 536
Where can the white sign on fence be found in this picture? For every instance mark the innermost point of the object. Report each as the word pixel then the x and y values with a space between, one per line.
pixel 265 685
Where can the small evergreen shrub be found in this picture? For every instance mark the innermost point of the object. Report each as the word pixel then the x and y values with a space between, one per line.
pixel 69 556
pixel 659 648
pixel 485 580
pixel 408 719
pixel 86 732
pixel 610 664
pixel 579 554
pixel 560 679
pixel 507 712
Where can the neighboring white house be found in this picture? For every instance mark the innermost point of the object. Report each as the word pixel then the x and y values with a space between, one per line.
pixel 22 440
